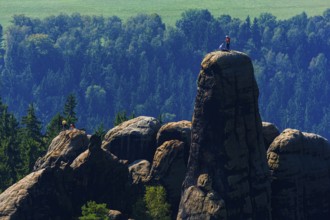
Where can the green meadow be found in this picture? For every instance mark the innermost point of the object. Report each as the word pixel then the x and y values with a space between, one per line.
pixel 170 10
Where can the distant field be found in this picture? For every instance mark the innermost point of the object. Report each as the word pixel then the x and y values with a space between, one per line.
pixel 170 10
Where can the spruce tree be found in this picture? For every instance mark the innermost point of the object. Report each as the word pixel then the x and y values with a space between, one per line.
pixel 53 128
pixel 69 109
pixel 9 151
pixel 32 145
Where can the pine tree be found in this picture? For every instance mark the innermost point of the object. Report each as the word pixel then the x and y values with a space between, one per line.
pixel 53 128
pixel 32 145
pixel 69 109
pixel 94 211
pixel 32 124
pixel 9 151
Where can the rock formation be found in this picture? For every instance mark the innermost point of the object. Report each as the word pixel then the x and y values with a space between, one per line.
pixel 64 148
pixel 180 130
pixel 134 139
pixel 58 192
pixel 227 176
pixel 300 165
pixel 169 169
pixel 43 194
pixel 139 171
pixel 270 132
pixel 116 215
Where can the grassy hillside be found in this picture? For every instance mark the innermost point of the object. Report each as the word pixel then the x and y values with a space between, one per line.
pixel 170 10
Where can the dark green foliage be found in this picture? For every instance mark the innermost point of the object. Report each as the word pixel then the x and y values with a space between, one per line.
pixel 54 127
pixel 121 117
pixel 10 160
pixel 155 200
pixel 142 66
pixel 140 210
pixel 94 211
pixel 153 205
pixel 69 109
pixel 100 131
pixel 32 145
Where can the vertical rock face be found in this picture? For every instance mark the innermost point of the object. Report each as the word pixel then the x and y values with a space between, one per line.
pixel 300 165
pixel 228 176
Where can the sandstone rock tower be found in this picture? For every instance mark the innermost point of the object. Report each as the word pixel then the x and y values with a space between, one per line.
pixel 228 176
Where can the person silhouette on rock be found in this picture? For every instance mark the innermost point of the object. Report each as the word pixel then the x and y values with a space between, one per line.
pixel 226 45
pixel 227 40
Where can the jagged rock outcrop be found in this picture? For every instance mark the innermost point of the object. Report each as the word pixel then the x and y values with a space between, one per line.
pixel 227 150
pixel 133 139
pixel 300 165
pixel 169 168
pixel 139 171
pixel 64 148
pixel 270 132
pixel 58 192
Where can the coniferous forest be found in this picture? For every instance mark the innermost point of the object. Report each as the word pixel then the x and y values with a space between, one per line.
pixel 88 69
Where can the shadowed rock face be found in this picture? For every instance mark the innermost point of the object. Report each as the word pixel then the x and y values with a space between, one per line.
pixel 44 194
pixel 139 171
pixel 300 165
pixel 134 139
pixel 270 132
pixel 227 150
pixel 180 130
pixel 168 169
pixel 58 192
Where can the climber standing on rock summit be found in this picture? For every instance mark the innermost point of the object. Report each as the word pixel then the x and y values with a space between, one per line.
pixel 227 42
pixel 226 46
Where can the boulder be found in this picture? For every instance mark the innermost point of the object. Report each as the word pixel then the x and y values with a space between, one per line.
pixel 202 202
pixel 134 139
pixel 300 167
pixel 139 171
pixel 180 130
pixel 168 169
pixel 227 144
pixel 64 148
pixel 269 132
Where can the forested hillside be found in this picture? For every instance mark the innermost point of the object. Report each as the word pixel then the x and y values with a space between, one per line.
pixel 144 67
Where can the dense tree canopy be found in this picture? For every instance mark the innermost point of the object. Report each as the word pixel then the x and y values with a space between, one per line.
pixel 144 67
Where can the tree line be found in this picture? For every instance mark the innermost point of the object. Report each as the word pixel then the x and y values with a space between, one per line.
pixel 144 67
pixel 23 142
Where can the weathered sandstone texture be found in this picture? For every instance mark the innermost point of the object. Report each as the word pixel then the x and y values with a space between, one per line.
pixel 228 176
pixel 300 165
